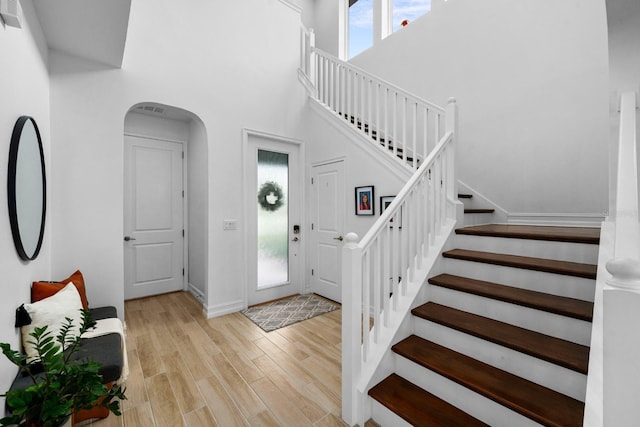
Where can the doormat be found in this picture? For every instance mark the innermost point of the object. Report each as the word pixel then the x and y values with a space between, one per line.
pixel 285 312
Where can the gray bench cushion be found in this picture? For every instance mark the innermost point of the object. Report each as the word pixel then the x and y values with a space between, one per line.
pixel 105 349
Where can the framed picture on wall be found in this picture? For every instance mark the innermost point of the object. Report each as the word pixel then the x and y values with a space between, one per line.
pixel 385 201
pixel 364 200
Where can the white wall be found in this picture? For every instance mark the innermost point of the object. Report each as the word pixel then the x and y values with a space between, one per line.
pixel 623 17
pixel 326 25
pixel 223 62
pixel 24 85
pixel 531 81
pixel 624 44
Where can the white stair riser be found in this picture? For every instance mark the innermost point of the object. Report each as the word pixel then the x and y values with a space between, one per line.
pixel 558 326
pixel 472 403
pixel 550 283
pixel 385 417
pixel 478 219
pixel 547 374
pixel 563 251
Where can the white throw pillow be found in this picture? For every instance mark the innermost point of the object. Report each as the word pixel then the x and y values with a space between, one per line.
pixel 51 312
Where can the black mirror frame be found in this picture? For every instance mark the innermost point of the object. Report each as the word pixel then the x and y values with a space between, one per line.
pixel 11 188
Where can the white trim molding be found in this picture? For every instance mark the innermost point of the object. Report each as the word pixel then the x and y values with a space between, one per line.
pixel 291 6
pixel 222 309
pixel 557 219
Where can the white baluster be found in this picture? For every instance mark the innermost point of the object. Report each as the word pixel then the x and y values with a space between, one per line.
pixel 404 130
pixel 386 259
pixel 414 136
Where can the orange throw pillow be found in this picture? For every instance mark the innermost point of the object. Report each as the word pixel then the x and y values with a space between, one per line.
pixel 42 290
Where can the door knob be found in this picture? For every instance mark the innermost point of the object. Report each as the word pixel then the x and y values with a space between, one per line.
pixel 127 238
pixel 338 238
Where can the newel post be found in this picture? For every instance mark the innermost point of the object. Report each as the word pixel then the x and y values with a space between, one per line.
pixel 621 343
pixel 621 296
pixel 351 328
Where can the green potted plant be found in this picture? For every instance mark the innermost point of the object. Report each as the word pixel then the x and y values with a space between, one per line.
pixel 60 384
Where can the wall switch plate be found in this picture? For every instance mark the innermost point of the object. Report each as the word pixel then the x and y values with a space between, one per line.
pixel 11 12
pixel 230 224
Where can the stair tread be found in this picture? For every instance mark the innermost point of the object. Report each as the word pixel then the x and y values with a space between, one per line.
pixel 554 350
pixel 472 211
pixel 589 235
pixel 530 263
pixel 565 306
pixel 417 406
pixel 534 401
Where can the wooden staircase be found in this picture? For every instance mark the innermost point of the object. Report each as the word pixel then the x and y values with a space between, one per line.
pixel 503 339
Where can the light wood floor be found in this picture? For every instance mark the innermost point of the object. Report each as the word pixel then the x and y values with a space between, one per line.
pixel 190 371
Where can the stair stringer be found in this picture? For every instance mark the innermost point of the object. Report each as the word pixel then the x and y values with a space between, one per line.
pixel 499 216
pixel 401 323
pixel 362 142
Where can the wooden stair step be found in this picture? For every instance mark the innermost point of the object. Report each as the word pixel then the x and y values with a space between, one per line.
pixel 464 196
pixel 590 235
pixel 564 306
pixel 417 406
pixel 567 268
pixel 479 211
pixel 534 401
pixel 554 350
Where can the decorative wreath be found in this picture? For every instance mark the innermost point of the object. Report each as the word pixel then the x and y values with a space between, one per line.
pixel 270 196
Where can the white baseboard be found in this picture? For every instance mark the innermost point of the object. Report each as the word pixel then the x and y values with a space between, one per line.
pixel 557 219
pixel 222 309
pixel 197 293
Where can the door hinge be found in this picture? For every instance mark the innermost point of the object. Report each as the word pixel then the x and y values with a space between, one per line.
pixel 311 180
pixel 312 271
pixel 183 194
pixel 183 271
pixel 183 232
pixel 312 226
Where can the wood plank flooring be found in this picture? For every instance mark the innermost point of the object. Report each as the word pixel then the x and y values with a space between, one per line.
pixel 186 370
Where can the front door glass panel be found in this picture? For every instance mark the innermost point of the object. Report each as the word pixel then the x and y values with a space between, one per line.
pixel 273 218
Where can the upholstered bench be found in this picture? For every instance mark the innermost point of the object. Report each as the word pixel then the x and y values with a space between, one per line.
pixel 104 345
pixel 104 349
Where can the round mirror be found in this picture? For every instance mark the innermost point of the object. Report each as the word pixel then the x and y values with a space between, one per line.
pixel 27 188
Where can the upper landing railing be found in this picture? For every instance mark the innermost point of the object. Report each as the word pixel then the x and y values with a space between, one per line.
pixel 394 120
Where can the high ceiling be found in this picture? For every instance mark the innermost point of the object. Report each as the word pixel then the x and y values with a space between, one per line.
pixel 91 29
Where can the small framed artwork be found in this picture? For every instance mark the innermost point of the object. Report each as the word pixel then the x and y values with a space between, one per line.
pixel 385 201
pixel 364 200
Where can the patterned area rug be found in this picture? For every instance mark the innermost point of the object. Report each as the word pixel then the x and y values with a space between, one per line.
pixel 285 312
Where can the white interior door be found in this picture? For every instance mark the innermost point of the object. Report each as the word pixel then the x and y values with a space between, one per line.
pixel 273 212
pixel 153 217
pixel 327 227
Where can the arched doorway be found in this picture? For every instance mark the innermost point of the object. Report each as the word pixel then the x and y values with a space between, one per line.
pixel 165 206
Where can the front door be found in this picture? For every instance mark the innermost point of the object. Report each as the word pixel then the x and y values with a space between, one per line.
pixel 327 224
pixel 153 217
pixel 273 212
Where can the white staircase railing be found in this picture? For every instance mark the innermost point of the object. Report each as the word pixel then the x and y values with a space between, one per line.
pixel 387 268
pixel 620 350
pixel 402 124
pixel 377 271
